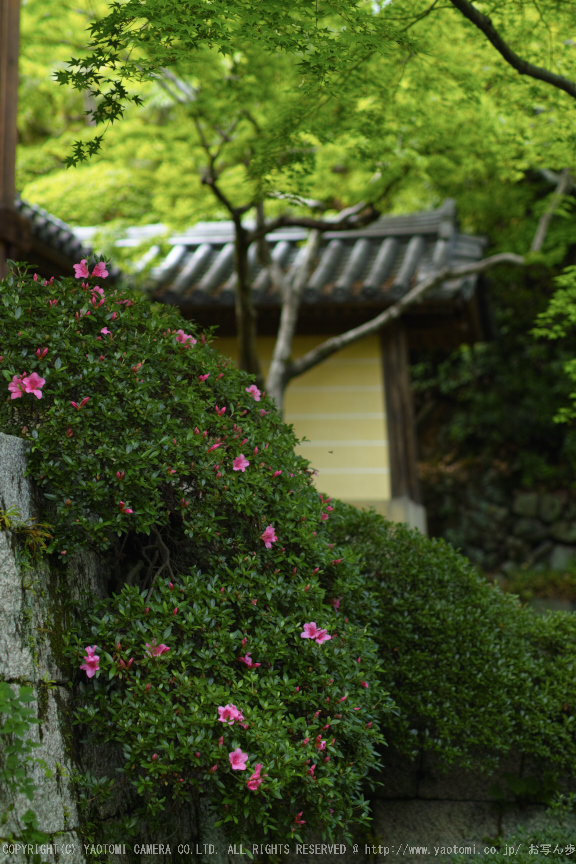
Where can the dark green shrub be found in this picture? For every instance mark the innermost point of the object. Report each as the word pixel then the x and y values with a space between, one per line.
pixel 137 430
pixel 472 672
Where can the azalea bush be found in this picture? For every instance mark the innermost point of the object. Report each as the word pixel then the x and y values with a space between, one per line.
pixel 474 674
pixel 222 665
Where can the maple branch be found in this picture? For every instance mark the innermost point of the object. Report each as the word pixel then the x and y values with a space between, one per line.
pixel 564 182
pixel 483 23
pixel 353 217
pixel 331 346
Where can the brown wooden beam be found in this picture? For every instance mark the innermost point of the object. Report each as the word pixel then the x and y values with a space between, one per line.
pixel 399 413
pixel 9 45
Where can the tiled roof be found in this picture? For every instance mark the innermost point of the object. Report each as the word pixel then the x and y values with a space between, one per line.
pixel 375 264
pixel 54 239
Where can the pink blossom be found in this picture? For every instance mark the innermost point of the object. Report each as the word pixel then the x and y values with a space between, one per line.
pixel 123 509
pixel 244 725
pixel 343 699
pixel 262 412
pixel 91 663
pixel 40 353
pixel 229 713
pixel 298 820
pixel 254 391
pixel 254 602
pixel 203 377
pixel 324 517
pixel 321 745
pixel 221 741
pixel 247 659
pixel 305 741
pixel 311 770
pixel 364 684
pixel 255 780
pixel 213 769
pixel 81 270
pixel 368 725
pixel 307 588
pixel 240 464
pixel 33 384
pixel 322 637
pixel 336 602
pixel 156 650
pixel 120 475
pixel 359 660
pixel 244 640
pixel 35 277
pixel 276 474
pixel 17 387
pixel 105 331
pixel 185 338
pixel 220 411
pixel 238 759
pixel 214 447
pixel 155 757
pixel 310 631
pixel 269 536
pixel 53 302
pixel 99 271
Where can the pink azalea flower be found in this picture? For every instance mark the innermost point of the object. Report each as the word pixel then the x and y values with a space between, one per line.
pixel 81 270
pixel 336 602
pixel 311 631
pixel 156 650
pixel 229 713
pixel 276 474
pixel 255 780
pixel 91 663
pixel 214 447
pixel 305 741
pixel 269 536
pixel 324 517
pixel 262 412
pixel 185 338
pixel 120 475
pixel 105 331
pixel 247 659
pixel 123 508
pixel 343 699
pixel 240 463
pixel 33 384
pixel 368 725
pixel 99 271
pixel 311 770
pixel 203 377
pixel 298 820
pixel 17 387
pixel 238 759
pixel 221 741
pixel 364 684
pixel 40 353
pixel 254 391
pixel 254 602
pixel 213 769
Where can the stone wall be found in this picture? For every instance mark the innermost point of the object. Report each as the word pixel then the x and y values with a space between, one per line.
pixel 499 527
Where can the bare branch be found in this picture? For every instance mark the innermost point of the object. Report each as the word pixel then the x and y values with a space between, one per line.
pixel 353 217
pixel 292 297
pixel 307 361
pixel 564 181
pixel 483 23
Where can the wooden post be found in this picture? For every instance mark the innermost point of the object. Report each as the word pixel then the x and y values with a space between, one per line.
pixel 10 223
pixel 399 413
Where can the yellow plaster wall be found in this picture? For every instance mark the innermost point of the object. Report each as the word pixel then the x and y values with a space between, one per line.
pixel 339 407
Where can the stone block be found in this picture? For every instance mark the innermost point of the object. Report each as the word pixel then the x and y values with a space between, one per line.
pixel 562 557
pixel 564 532
pixel 525 504
pixel 550 507
pixel 532 529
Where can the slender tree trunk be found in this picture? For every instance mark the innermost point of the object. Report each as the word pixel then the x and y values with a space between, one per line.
pixel 291 299
pixel 9 40
pixel 245 312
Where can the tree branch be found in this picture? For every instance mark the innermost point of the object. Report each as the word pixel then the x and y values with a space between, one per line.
pixel 564 182
pixel 353 217
pixel 483 23
pixel 292 297
pixel 307 361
